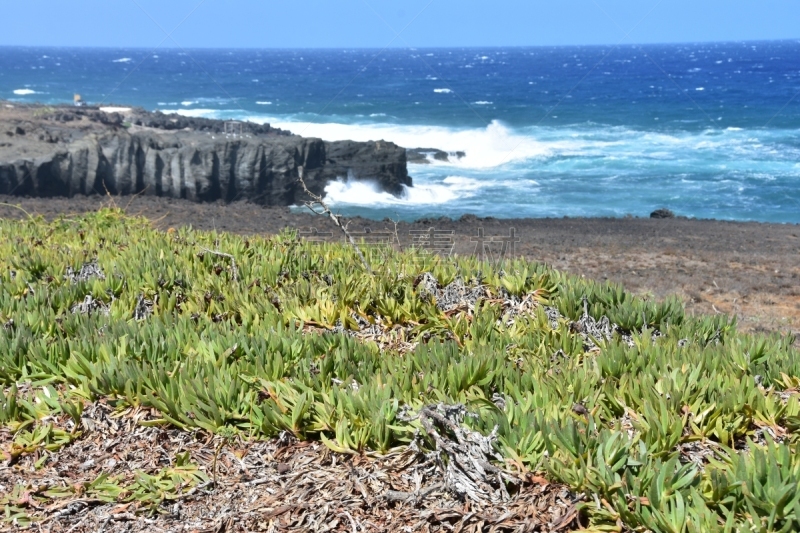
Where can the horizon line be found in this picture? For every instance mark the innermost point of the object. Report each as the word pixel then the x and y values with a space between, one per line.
pixel 410 48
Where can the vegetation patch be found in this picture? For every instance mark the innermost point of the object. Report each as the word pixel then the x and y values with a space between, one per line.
pixel 452 393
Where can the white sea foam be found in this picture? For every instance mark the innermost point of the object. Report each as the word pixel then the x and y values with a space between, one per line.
pixel 123 60
pixel 487 147
pixel 518 149
pixel 195 113
pixel 115 109
pixel 442 91
pixel 188 103
pixel 366 193
pixel 264 103
pixel 482 102
pixel 24 92
pixel 449 190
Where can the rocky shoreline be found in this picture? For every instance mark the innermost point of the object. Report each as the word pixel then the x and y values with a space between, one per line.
pixel 64 151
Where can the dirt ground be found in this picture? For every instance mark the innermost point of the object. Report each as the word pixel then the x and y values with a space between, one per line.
pixel 751 270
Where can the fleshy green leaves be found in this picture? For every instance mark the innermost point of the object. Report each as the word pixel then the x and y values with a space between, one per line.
pixel 664 422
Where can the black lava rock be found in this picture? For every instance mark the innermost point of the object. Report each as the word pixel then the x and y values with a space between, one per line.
pixel 662 213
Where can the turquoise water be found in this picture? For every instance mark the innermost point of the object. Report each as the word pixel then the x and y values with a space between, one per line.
pixel 707 130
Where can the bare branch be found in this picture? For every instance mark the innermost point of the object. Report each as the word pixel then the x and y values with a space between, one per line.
pixel 337 219
pixel 416 497
pixel 227 256
pixel 467 470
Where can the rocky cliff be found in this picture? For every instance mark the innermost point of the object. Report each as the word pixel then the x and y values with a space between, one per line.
pixel 68 151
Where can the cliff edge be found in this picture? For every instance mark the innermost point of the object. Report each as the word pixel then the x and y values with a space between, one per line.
pixel 65 151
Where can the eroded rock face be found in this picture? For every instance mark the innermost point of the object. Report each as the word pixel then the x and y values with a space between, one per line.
pixel 198 162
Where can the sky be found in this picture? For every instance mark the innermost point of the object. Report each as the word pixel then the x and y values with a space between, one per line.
pixel 390 23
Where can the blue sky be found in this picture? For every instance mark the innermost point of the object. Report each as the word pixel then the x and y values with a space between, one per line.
pixel 375 23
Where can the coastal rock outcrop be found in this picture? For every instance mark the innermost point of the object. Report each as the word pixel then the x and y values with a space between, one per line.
pixel 68 152
pixel 421 156
pixel 662 213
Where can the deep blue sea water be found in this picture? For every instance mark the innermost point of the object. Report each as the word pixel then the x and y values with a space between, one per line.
pixel 707 130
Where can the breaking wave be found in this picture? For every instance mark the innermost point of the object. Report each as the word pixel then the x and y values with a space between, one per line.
pixel 367 193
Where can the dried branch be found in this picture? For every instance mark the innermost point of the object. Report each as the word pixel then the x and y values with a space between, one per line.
pixel 226 256
pixel 337 219
pixel 17 207
pixel 108 195
pixel 415 497
pixel 467 470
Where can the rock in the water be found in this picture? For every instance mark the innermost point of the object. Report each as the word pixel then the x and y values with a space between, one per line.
pixel 662 213
pixel 421 156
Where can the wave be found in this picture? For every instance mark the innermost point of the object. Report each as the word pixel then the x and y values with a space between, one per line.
pixel 197 113
pixel 263 103
pixel 443 91
pixel 25 92
pixel 498 145
pixel 490 147
pixel 493 146
pixel 123 60
pixel 366 193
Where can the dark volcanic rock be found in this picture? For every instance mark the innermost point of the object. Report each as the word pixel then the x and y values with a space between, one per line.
pixel 86 151
pixel 420 155
pixel 662 213
pixel 381 160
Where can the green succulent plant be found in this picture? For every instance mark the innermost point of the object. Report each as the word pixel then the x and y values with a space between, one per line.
pixel 671 424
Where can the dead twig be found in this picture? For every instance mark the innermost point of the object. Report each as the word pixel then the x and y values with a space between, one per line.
pixel 352 521
pixel 134 197
pixel 79 524
pixel 415 497
pixel 17 207
pixel 467 470
pixel 110 198
pixel 337 219
pixel 226 256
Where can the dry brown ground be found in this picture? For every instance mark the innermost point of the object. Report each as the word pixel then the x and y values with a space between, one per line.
pixel 236 486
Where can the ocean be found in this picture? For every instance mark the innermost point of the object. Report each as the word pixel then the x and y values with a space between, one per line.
pixel 706 130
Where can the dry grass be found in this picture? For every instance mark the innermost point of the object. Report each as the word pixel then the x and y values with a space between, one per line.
pixel 279 485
